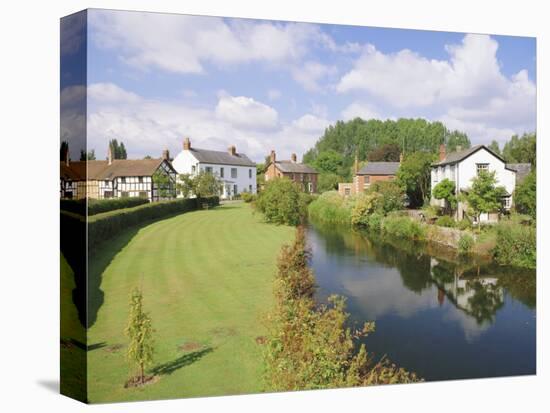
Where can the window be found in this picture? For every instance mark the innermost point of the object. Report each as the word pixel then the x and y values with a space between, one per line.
pixel 193 169
pixel 506 202
pixel 235 192
pixel 482 167
pixel 143 194
pixel 124 194
pixel 106 183
pixel 123 180
pixel 250 173
pixel 367 179
pixel 347 191
pixel 234 173
pixel 208 169
pixel 140 179
pixel 250 188
pixel 221 172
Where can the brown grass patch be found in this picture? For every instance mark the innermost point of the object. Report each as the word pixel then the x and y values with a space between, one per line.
pixel 136 381
pixel 190 346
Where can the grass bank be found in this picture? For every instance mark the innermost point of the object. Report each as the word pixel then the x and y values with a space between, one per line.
pixel 207 281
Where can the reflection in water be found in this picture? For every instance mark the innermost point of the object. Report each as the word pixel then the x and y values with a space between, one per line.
pixel 436 313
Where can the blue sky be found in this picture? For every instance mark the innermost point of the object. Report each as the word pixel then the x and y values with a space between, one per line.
pixel 155 78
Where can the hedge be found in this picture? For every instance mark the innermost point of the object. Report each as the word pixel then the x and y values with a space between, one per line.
pixel 98 206
pixel 105 225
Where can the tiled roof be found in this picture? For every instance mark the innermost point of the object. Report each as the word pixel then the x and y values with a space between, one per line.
pixel 379 168
pixel 221 157
pixel 455 157
pixel 522 170
pixel 294 167
pixel 101 170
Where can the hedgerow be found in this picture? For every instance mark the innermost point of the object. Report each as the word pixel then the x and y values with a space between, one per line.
pixel 98 206
pixel 104 226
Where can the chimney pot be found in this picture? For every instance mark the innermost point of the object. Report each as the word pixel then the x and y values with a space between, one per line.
pixel 166 155
pixel 293 157
pixel 272 156
pixel 232 150
pixel 110 155
pixel 186 144
pixel 442 152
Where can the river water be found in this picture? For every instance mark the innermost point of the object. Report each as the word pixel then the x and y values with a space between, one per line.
pixel 436 314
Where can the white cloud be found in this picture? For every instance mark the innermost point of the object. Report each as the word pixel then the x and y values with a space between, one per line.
pixel 274 94
pixel 360 110
pixel 148 126
pixel 311 73
pixel 182 44
pixel 468 90
pixel 109 92
pixel 245 112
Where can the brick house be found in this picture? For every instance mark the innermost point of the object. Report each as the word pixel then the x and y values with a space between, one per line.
pixel 368 174
pixel 300 173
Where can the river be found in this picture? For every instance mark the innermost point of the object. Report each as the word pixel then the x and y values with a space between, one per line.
pixel 441 316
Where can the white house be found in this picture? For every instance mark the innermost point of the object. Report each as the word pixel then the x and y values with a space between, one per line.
pixel 464 165
pixel 235 170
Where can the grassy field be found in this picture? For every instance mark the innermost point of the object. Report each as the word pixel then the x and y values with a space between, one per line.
pixel 207 279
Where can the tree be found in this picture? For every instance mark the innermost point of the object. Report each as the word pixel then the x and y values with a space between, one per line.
pixel 118 150
pixel 495 147
pixel 484 195
pixel 87 156
pixel 163 185
pixel 328 182
pixel 525 197
pixel 140 333
pixel 446 190
pixel 206 184
pixel 390 196
pixel 521 150
pixel 328 161
pixel 414 176
pixel 389 152
pixel 63 151
pixel 281 202
pixel 456 139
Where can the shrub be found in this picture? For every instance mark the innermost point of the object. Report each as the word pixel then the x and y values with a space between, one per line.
pixel 282 202
pixel 445 221
pixel 331 208
pixel 391 196
pixel 248 197
pixel 402 226
pixel 104 226
pixel 464 224
pixel 525 198
pixel 364 206
pixel 374 221
pixel 465 244
pixel 310 346
pixel 516 245
pixel 98 206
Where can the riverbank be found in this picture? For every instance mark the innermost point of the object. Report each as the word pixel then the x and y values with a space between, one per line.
pixel 509 242
pixel 207 280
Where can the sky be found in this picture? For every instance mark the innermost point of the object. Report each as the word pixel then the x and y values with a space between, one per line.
pixel 153 79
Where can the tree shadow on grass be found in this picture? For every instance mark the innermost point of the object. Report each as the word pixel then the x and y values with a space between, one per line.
pixel 182 361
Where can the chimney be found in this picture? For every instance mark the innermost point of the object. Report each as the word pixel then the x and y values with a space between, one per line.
pixel 458 148
pixel 442 153
pixel 293 157
pixel 232 150
pixel 272 156
pixel 110 155
pixel 356 165
pixel 186 144
pixel 166 155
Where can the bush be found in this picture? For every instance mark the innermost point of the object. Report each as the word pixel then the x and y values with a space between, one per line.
pixel 248 197
pixel 464 224
pixel 282 202
pixel 404 227
pixel 331 208
pixel 364 206
pixel 98 206
pixel 445 221
pixel 516 245
pixel 465 244
pixel 390 196
pixel 106 225
pixel 374 221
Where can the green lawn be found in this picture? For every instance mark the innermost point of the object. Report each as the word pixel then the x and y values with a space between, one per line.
pixel 207 281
